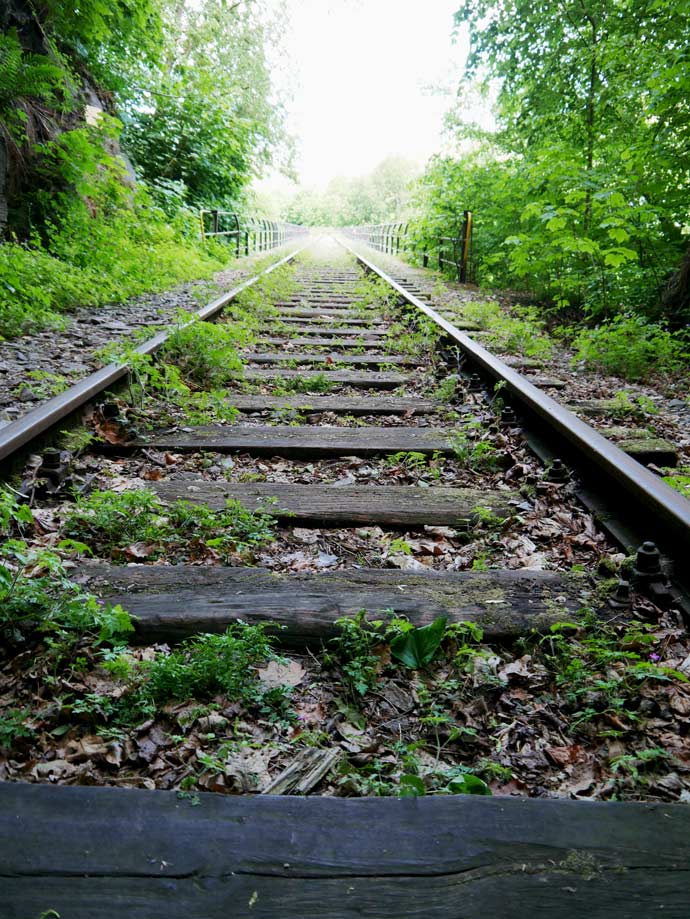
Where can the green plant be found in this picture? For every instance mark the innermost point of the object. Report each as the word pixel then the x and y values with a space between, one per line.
pixel 417 647
pixel 13 727
pixel 631 347
pixel 518 332
pixel 410 459
pixel 37 595
pixel 205 353
pixel 474 453
pixel 44 384
pixel 640 407
pixel 643 761
pixel 679 479
pixel 447 389
pixel 399 546
pixel 123 523
pixel 319 382
pixel 208 665
pixel 353 651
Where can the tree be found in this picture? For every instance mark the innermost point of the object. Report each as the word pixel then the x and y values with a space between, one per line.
pixel 593 135
pixel 209 118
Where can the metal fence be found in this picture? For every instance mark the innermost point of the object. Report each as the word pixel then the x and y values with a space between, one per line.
pixel 246 234
pixel 451 253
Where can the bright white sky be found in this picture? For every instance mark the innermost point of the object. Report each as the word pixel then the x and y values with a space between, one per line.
pixel 361 72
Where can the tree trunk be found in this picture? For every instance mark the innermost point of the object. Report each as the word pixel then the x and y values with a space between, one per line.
pixel 590 118
pixel 675 300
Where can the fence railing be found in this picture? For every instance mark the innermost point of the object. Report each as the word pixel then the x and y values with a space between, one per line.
pixel 451 253
pixel 246 234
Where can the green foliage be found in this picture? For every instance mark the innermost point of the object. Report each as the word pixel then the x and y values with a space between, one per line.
pixel 579 194
pixel 476 453
pixel 319 382
pixel 631 347
pixel 36 593
pixel 600 669
pixel 95 259
pixel 623 406
pixel 213 119
pixel 679 479
pixel 27 83
pixel 519 332
pixel 12 727
pixel 138 523
pixel 44 384
pixel 643 761
pixel 417 647
pixel 205 353
pixel 208 665
pixel 193 88
pixel 353 651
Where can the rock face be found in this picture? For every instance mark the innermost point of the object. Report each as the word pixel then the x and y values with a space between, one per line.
pixel 87 106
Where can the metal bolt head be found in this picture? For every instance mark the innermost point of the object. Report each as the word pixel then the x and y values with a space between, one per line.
pixel 648 560
pixel 50 458
pixel 474 382
pixel 621 596
pixel 558 472
pixel 508 415
pixel 110 410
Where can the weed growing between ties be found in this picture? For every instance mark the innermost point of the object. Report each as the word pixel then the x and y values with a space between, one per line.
pixel 373 293
pixel 136 525
pixel 318 383
pixel 418 339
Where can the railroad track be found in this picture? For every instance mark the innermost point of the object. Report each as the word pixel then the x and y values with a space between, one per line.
pixel 395 479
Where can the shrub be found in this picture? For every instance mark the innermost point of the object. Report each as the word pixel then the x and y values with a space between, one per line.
pixel 631 347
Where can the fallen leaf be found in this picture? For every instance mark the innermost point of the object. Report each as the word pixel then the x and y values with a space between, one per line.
pixel 277 673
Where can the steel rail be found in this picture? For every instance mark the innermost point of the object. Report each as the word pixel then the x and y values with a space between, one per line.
pixel 18 433
pixel 668 506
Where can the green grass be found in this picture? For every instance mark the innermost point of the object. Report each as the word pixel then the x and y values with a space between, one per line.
pixel 95 260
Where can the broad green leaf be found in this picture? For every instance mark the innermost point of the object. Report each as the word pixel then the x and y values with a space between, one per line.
pixel 417 647
pixel 411 786
pixel 468 784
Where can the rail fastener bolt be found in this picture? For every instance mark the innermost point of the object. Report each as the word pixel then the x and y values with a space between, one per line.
pixel 621 596
pixel 649 576
pixel 558 472
pixel 508 416
pixel 52 467
pixel 110 410
pixel 474 383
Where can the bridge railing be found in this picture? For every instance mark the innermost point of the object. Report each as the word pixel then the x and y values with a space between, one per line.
pixel 451 253
pixel 246 233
